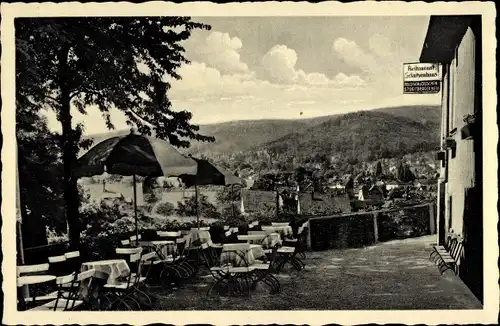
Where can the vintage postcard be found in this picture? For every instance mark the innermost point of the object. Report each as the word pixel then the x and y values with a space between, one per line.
pixel 249 163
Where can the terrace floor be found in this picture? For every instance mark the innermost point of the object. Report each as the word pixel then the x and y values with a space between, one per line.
pixel 393 275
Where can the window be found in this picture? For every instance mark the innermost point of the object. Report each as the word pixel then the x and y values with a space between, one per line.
pixel 451 94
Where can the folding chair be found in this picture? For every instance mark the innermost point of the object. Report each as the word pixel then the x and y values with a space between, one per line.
pixel 120 295
pixel 261 270
pixel 218 272
pixel 239 272
pixel 299 243
pixel 452 259
pixel 68 298
pixel 27 270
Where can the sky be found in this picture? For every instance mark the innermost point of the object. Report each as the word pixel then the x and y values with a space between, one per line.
pixel 290 68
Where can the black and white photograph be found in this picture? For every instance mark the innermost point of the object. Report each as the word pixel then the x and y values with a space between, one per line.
pixel 223 163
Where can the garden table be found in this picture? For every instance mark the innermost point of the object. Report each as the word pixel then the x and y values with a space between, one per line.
pixel 200 237
pixel 109 270
pixel 241 257
pixel 166 247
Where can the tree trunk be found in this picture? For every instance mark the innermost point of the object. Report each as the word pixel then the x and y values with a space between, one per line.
pixel 69 149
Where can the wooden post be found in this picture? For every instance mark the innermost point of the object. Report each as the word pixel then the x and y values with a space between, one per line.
pixel 308 239
pixel 375 227
pixel 135 211
pixel 432 219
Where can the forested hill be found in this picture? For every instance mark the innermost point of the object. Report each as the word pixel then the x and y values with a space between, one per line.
pixel 364 135
pixel 373 131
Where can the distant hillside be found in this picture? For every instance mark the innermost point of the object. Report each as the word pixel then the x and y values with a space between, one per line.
pixel 420 114
pixel 250 134
pixel 364 135
pixel 244 135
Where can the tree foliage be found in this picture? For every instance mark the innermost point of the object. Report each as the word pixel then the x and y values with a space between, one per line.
pixel 404 174
pixel 121 62
pixel 39 176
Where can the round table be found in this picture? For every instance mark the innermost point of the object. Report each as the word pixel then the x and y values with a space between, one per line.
pixel 110 270
pixel 271 240
pixel 166 247
pixel 199 237
pixel 240 258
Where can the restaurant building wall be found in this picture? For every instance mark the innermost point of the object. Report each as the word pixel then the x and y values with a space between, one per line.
pixel 455 43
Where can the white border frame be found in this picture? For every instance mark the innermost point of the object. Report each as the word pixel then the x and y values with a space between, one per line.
pixel 491 303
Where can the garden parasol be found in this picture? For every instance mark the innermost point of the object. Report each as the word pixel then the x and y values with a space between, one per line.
pixel 135 154
pixel 209 174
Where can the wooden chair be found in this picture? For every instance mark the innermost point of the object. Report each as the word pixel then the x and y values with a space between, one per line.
pixel 28 270
pixel 451 260
pixel 68 298
pixel 121 294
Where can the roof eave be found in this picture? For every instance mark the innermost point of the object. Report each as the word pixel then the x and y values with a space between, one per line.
pixel 443 35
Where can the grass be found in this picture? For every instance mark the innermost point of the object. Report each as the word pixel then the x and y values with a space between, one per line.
pixel 395 275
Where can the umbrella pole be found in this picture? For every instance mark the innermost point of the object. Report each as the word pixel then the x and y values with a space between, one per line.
pixel 135 212
pixel 232 199
pixel 277 203
pixel 197 208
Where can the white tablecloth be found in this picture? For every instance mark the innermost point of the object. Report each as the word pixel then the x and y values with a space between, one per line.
pixel 166 247
pixel 110 270
pixel 199 237
pixel 241 258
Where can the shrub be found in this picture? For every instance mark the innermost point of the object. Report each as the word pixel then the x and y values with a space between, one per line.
pixel 206 208
pixel 165 209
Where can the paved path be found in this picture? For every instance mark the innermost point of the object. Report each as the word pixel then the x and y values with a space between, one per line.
pixel 396 275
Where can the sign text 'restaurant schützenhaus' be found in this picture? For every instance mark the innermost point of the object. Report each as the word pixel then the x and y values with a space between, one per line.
pixel 421 78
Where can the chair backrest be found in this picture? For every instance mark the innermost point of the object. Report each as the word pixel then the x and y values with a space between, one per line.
pixel 72 254
pixel 32 269
pixel 280 223
pixel 456 253
pixel 148 256
pixel 169 234
pixel 73 261
pixel 236 246
pixel 210 256
pixel 128 251
pixel 58 265
pixel 260 232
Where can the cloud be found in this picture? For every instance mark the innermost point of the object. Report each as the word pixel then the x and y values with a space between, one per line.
pixel 220 51
pixel 279 67
pixel 201 81
pixel 353 55
pixel 342 79
pixel 378 64
pixel 380 45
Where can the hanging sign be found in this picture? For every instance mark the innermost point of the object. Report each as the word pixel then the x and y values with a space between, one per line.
pixel 421 78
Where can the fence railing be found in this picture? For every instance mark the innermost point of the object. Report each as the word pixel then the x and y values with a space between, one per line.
pixel 366 228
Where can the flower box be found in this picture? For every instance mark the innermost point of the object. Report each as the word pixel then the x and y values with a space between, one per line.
pixel 470 130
